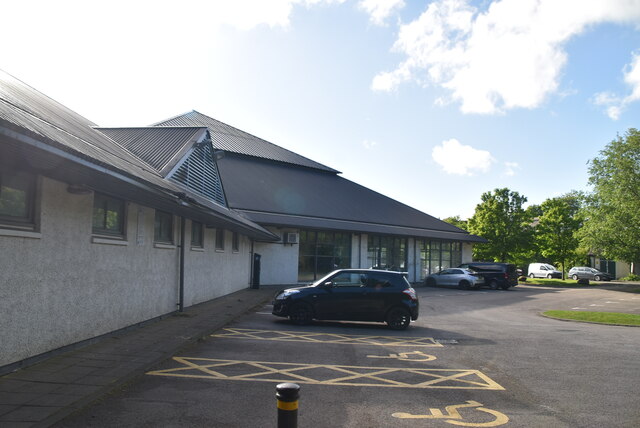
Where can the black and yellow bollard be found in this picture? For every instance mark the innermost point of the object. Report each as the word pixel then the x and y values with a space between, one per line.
pixel 287 395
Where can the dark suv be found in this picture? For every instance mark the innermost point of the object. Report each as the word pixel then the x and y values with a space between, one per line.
pixel 351 295
pixel 503 275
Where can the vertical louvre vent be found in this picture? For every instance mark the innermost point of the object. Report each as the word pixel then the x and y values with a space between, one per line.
pixel 200 174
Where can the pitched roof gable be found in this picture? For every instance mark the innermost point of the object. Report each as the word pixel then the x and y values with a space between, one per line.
pixel 230 139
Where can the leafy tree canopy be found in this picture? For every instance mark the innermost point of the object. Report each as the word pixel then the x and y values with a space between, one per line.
pixel 457 222
pixel 612 213
pixel 501 219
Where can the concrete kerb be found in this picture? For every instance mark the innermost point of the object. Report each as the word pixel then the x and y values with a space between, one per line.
pixel 129 353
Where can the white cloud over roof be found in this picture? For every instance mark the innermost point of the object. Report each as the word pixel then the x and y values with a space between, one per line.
pixel 510 55
pixel 615 104
pixel 380 10
pixel 456 158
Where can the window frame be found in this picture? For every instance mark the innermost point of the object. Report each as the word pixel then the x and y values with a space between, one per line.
pixel 160 239
pixel 235 242
pixel 29 221
pixel 199 242
pixel 220 239
pixel 121 233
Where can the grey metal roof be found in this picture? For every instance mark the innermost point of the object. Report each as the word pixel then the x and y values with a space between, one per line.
pixel 277 194
pixel 160 147
pixel 230 139
pixel 32 123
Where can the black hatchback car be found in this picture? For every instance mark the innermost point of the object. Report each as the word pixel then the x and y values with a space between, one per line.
pixel 351 295
pixel 503 275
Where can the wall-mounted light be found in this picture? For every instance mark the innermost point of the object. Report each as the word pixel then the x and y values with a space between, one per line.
pixel 78 189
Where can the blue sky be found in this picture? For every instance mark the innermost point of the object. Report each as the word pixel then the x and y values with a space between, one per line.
pixel 429 102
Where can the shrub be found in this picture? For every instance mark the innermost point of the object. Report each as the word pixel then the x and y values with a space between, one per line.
pixel 631 277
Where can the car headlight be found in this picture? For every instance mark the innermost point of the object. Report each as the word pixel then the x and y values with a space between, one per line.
pixel 286 293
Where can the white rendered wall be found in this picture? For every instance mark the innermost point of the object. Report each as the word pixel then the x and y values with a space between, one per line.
pixel 59 286
pixel 279 261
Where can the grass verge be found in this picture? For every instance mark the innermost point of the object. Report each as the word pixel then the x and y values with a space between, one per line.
pixel 556 282
pixel 612 318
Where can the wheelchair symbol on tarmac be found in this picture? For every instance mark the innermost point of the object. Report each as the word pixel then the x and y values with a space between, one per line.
pixel 453 416
pixel 407 356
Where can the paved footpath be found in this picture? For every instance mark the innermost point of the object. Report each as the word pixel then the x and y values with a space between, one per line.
pixel 42 394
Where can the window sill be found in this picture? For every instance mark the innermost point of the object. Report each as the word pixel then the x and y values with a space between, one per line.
pixel 162 246
pixel 219 250
pixel 198 249
pixel 109 241
pixel 21 233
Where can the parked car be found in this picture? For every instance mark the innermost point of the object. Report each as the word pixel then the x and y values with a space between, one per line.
pixel 463 278
pixel 502 275
pixel 543 270
pixel 352 295
pixel 579 272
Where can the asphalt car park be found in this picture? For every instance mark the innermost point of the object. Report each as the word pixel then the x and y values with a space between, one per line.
pixel 473 358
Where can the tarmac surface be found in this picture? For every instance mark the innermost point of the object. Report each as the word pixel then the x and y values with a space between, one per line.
pixel 45 393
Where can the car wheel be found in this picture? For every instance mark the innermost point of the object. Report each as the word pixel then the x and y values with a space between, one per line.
pixel 575 277
pixel 549 276
pixel 464 284
pixel 398 318
pixel 300 314
pixel 531 275
pixel 493 284
pixel 596 278
pixel 431 282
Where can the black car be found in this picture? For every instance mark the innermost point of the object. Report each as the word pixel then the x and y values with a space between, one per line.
pixel 351 295
pixel 502 275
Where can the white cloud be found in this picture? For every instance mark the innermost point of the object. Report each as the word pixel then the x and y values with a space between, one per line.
pixel 456 158
pixel 380 10
pixel 510 168
pixel 369 144
pixel 615 105
pixel 508 56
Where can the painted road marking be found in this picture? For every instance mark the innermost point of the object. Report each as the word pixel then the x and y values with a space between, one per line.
pixel 299 336
pixel 329 374
pixel 453 416
pixel 407 356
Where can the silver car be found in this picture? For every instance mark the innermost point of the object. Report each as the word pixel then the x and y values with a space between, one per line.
pixel 463 278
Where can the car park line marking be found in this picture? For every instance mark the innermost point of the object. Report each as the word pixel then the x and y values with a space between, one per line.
pixel 310 337
pixel 453 416
pixel 405 356
pixel 328 374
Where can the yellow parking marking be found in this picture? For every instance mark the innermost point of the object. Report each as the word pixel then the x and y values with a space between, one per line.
pixel 453 416
pixel 299 336
pixel 328 374
pixel 407 356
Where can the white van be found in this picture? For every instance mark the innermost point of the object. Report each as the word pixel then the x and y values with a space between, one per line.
pixel 543 270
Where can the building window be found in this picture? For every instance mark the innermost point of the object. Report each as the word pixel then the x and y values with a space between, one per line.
pixel 108 215
pixel 163 228
pixel 387 252
pixel 235 243
pixel 321 253
pixel 220 239
pixel 438 255
pixel 197 234
pixel 17 200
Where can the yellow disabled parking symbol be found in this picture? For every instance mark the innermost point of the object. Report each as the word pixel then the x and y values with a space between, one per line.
pixel 454 417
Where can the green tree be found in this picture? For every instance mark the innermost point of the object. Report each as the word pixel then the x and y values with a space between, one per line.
pixel 556 231
pixel 612 213
pixel 501 220
pixel 457 222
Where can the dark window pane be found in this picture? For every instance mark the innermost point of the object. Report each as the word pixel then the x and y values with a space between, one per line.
pixel 219 239
pixel 163 227
pixel 17 194
pixel 108 215
pixel 197 236
pixel 235 244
